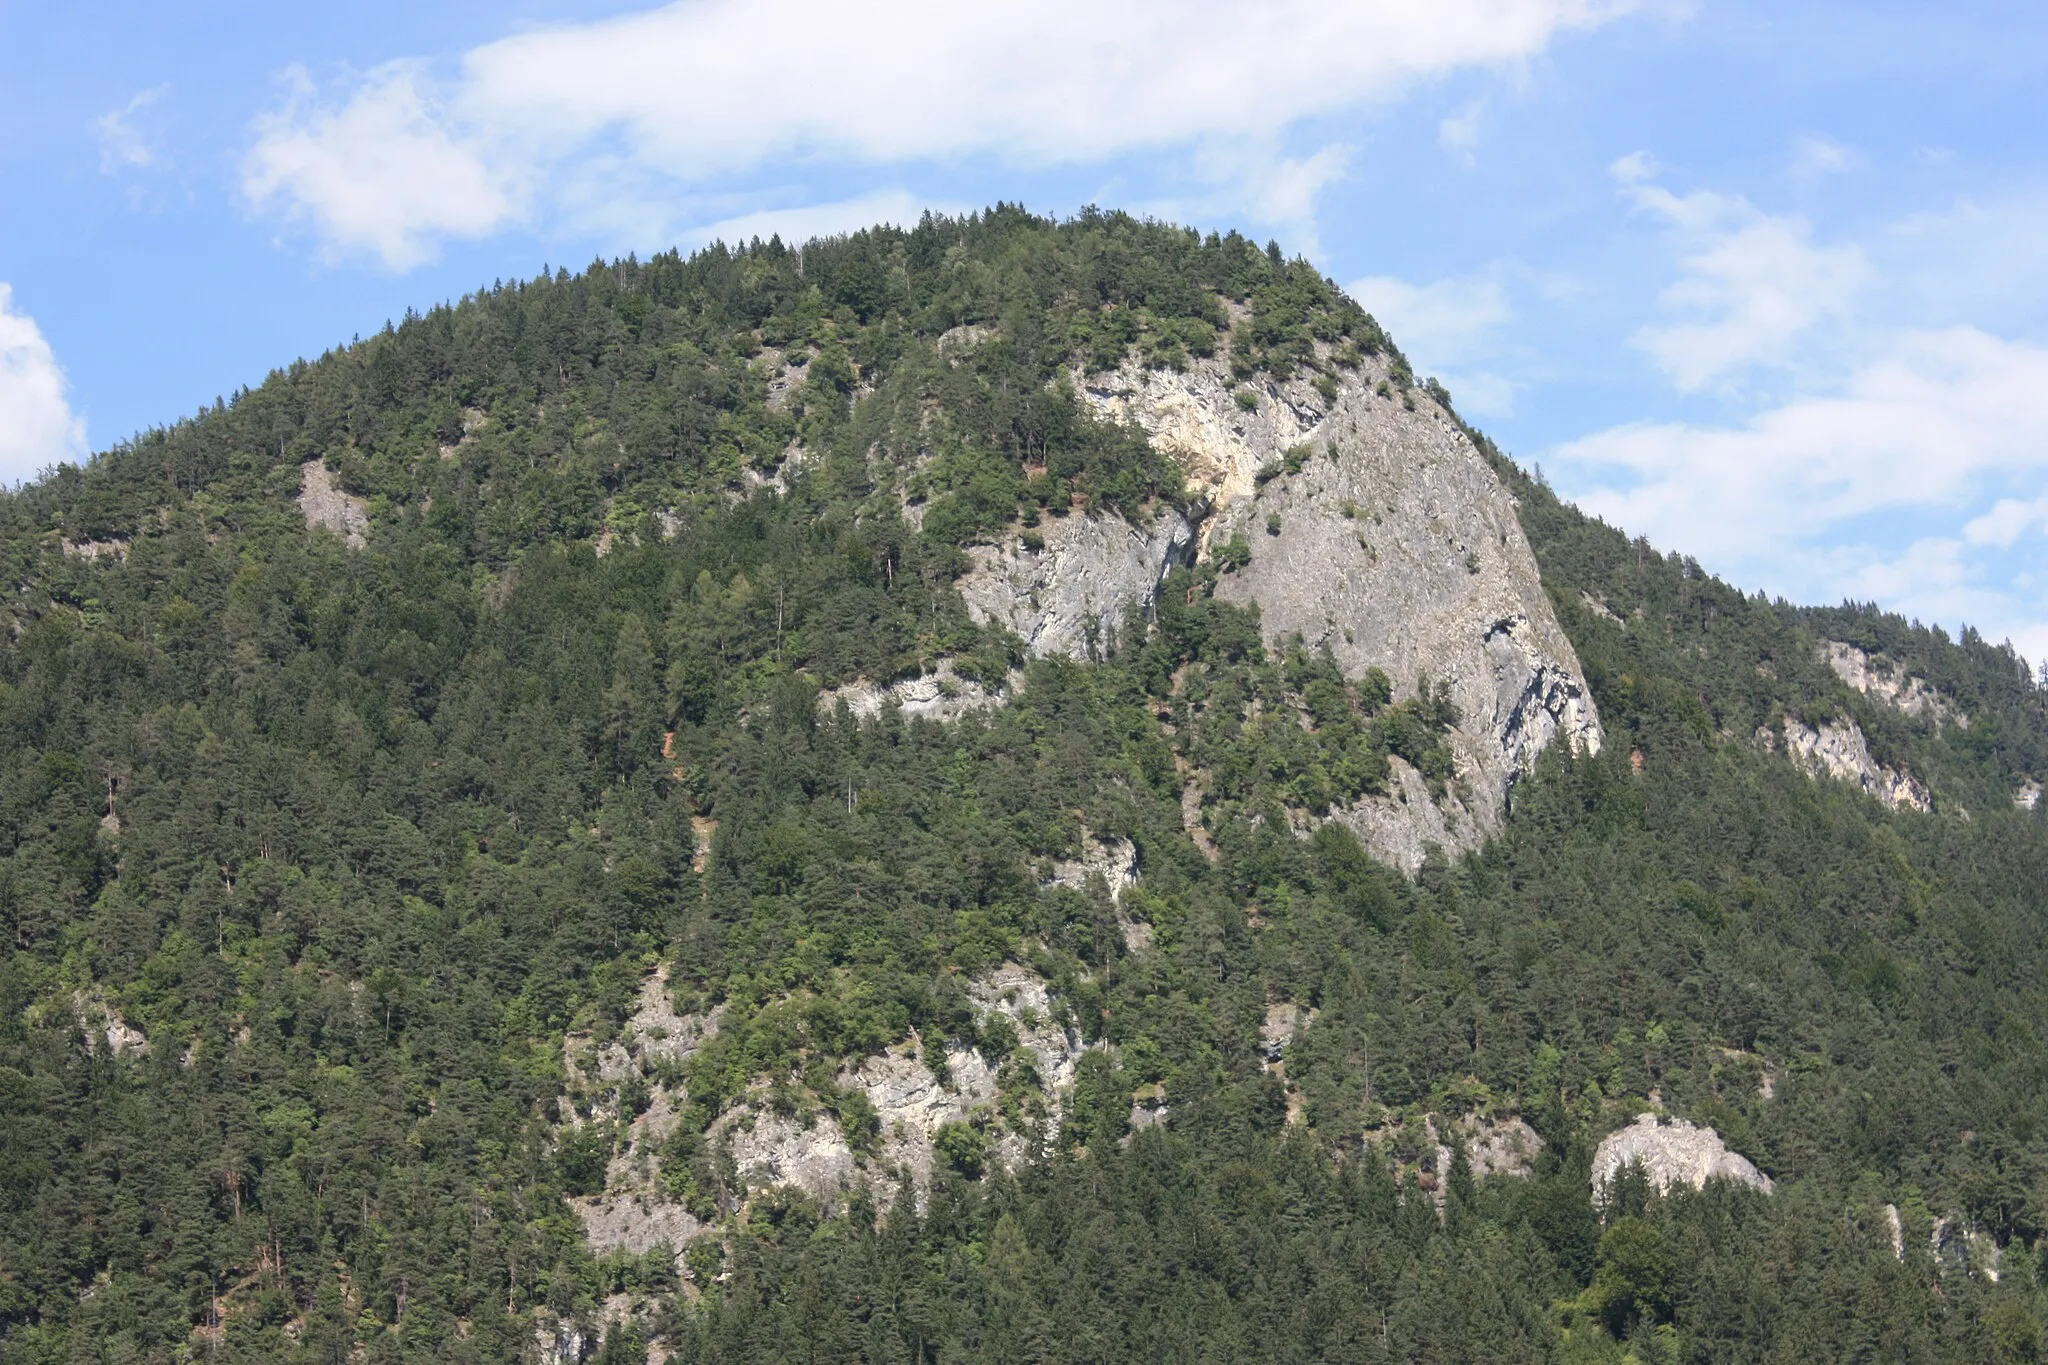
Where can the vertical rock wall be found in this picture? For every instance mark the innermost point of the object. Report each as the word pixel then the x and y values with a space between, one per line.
pixel 1393 542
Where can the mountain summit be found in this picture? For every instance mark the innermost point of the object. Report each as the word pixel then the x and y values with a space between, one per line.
pixel 1012 789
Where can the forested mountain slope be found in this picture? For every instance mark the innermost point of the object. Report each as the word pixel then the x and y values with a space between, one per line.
pixel 430 871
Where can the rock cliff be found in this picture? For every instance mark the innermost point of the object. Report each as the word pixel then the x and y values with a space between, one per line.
pixel 1672 1152
pixel 633 1212
pixel 940 695
pixel 1876 677
pixel 1378 530
pixel 327 506
pixel 1067 586
pixel 1838 749
pixel 912 1100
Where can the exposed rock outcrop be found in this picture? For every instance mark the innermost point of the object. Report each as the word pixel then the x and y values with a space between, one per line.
pixel 911 1100
pixel 1672 1152
pixel 1277 1030
pixel 635 1213
pixel 97 1018
pixel 939 695
pixel 1600 609
pixel 1424 1151
pixel 1378 530
pixel 1963 1246
pixel 2028 796
pixel 1399 828
pixel 913 1103
pixel 1876 677
pixel 1503 1147
pixel 114 548
pixel 327 506
pixel 1506 1146
pixel 1838 749
pixel 1069 590
pixel 1116 862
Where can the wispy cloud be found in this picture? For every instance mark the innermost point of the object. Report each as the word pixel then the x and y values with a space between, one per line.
pixel 1903 457
pixel 1814 156
pixel 1919 435
pixel 1447 327
pixel 692 93
pixel 124 143
pixel 37 427
pixel 1750 286
pixel 1923 426
pixel 2007 521
pixel 806 221
pixel 1459 132
pixel 1442 321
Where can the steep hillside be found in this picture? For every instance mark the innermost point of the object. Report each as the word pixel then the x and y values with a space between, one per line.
pixel 1006 790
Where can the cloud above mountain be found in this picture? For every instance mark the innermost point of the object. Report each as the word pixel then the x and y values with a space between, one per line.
pixel 1872 445
pixel 37 427
pixel 390 163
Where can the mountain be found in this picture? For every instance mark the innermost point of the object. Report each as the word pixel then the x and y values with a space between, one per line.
pixel 1011 790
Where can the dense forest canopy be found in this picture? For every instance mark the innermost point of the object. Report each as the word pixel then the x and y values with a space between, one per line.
pixel 354 836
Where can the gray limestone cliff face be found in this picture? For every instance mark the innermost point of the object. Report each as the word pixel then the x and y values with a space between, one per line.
pixel 636 1213
pixel 1087 575
pixel 940 695
pixel 1672 1152
pixel 1393 543
pixel 328 506
pixel 1838 749
pixel 1877 678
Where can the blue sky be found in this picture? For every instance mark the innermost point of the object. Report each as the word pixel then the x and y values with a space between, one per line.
pixel 1767 283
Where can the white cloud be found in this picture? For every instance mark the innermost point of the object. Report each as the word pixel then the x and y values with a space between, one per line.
pixel 1440 323
pixel 123 143
pixel 37 426
pixel 2007 521
pixel 1908 466
pixel 1253 178
pixel 1480 393
pixel 1753 283
pixel 1985 260
pixel 1634 168
pixel 718 88
pixel 1921 429
pixel 1447 328
pixel 382 173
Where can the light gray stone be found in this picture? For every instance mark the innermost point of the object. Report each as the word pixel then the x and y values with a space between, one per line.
pixel 98 1018
pixel 1116 862
pixel 1877 678
pixel 940 695
pixel 1672 1152
pixel 326 506
pixel 1397 547
pixel 634 1212
pixel 1838 749
pixel 1091 572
